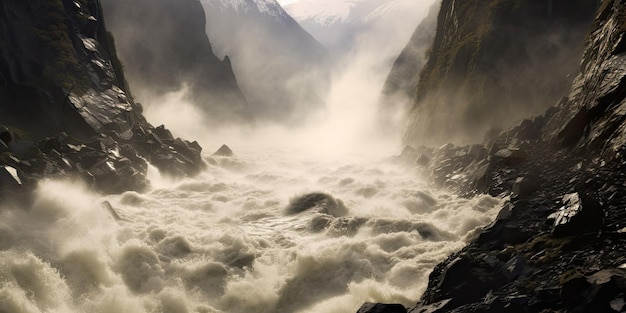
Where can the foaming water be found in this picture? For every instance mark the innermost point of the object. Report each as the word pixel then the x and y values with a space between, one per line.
pixel 265 231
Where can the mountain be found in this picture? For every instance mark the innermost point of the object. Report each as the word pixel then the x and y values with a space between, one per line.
pixel 163 47
pixel 343 26
pixel 398 93
pixel 280 67
pixel 494 63
pixel 65 110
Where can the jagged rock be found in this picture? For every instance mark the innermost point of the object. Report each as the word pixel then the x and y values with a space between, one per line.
pixel 9 177
pixel 526 185
pixel 576 217
pixel 107 206
pixel 224 151
pixel 602 291
pixel 511 156
pixel 381 308
pixel 439 307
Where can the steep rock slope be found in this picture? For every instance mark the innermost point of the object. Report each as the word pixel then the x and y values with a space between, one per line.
pixel 495 62
pixel 163 47
pixel 280 67
pixel 64 105
pixel 557 245
pixel 401 84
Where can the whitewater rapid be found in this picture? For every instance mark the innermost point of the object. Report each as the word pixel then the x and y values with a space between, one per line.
pixel 225 241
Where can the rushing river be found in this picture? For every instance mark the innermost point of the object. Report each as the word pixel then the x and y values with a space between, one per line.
pixel 239 238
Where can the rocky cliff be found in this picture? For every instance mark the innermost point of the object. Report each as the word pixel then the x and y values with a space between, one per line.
pixel 494 63
pixel 557 245
pixel 280 67
pixel 398 93
pixel 164 47
pixel 65 107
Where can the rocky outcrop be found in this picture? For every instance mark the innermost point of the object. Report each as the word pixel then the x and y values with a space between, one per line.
pixel 164 48
pixel 557 244
pixel 494 63
pixel 65 107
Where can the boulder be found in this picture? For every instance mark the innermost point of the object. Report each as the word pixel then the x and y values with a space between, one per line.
pixel 577 216
pixel 224 151
pixel 602 291
pixel 381 308
pixel 511 156
pixel 323 203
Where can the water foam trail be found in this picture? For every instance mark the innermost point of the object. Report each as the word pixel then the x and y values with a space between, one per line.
pixel 225 241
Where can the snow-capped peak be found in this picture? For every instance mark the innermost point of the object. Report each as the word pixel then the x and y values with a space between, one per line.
pixel 265 7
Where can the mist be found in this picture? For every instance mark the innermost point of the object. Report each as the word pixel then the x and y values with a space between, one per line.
pixel 347 119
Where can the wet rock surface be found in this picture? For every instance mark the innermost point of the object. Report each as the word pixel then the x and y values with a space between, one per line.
pixel 66 108
pixel 559 242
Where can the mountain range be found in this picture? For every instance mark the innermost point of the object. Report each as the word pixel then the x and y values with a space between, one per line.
pixel 280 67
pixel 345 25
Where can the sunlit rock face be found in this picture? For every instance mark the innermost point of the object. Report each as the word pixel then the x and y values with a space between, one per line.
pixel 66 105
pixel 493 63
pixel 164 48
pixel 282 69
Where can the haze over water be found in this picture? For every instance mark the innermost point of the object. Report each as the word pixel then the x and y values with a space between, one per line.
pixel 315 218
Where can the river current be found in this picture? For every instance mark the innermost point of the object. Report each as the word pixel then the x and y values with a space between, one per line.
pixel 264 231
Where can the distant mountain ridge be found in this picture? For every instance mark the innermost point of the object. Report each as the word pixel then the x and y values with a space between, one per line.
pixel 164 48
pixel 338 23
pixel 280 67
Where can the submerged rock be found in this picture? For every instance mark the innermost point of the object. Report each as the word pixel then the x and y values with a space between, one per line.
pixel 224 151
pixel 322 202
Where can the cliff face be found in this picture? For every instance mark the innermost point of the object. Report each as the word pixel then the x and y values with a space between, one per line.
pixel 557 243
pixel 163 46
pixel 592 117
pixel 495 62
pixel 401 83
pixel 65 107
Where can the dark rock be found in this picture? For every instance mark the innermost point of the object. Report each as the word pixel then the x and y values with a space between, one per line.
pixel 381 308
pixel 511 156
pixel 322 202
pixel 599 292
pixel 576 216
pixel 439 307
pixel 525 186
pixel 9 178
pixel 224 151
